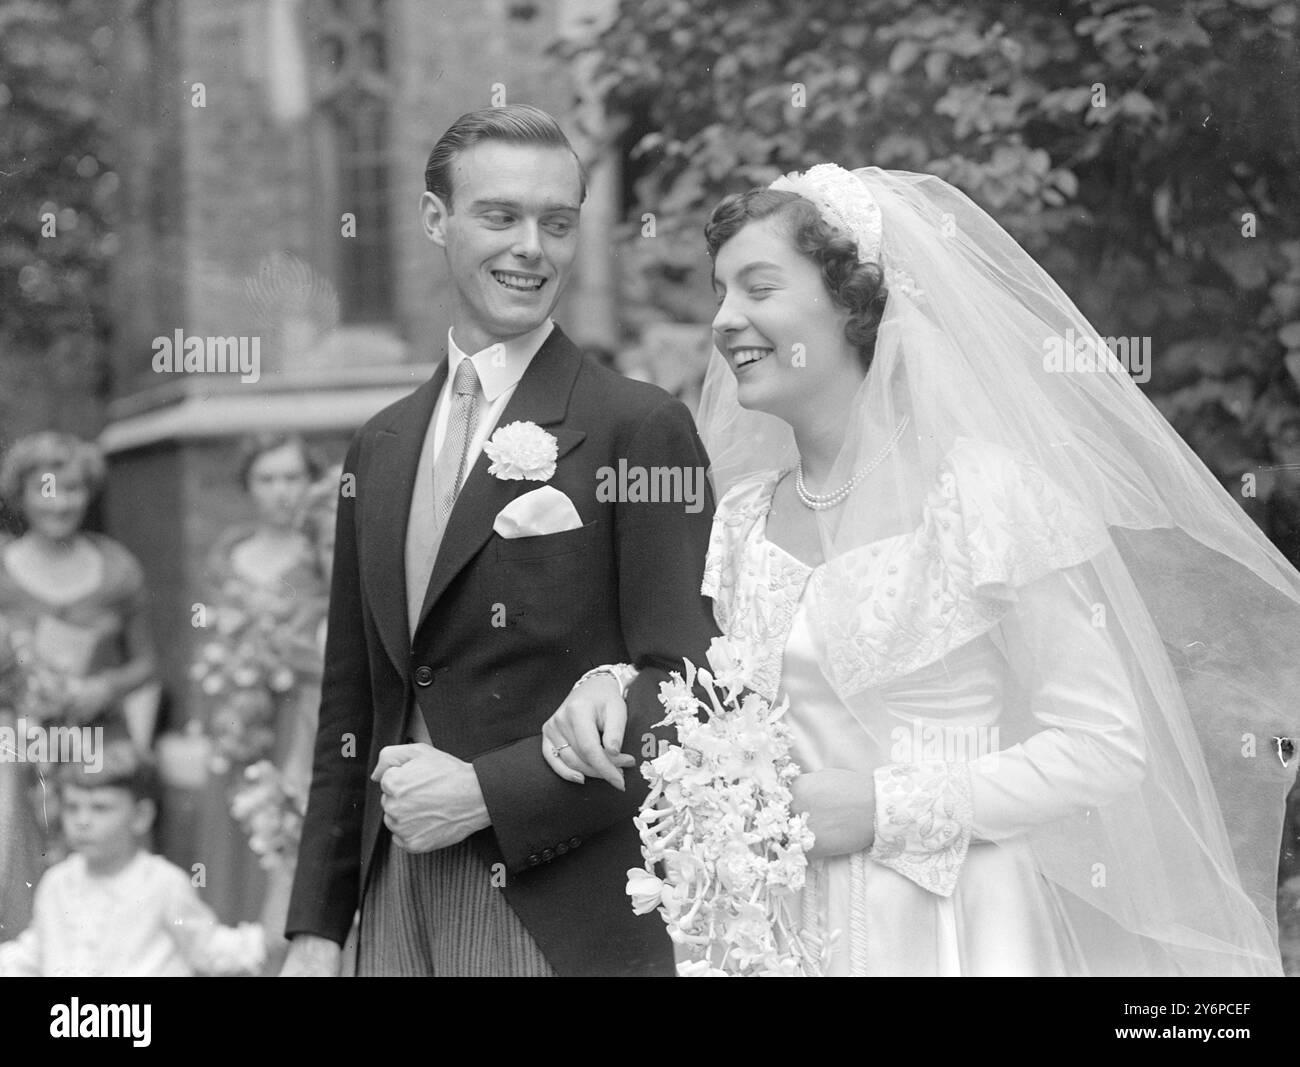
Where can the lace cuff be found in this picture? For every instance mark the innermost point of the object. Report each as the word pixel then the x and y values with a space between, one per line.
pixel 623 673
pixel 923 822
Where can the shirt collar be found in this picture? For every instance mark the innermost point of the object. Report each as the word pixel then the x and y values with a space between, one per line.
pixel 497 373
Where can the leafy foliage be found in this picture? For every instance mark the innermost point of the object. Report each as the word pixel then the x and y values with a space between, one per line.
pixel 56 193
pixel 1146 153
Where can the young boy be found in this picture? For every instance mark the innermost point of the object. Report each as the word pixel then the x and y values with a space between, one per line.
pixel 112 908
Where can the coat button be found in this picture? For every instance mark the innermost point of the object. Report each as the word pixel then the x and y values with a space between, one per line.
pixel 561 849
pixel 534 860
pixel 574 842
pixel 423 676
pixel 548 854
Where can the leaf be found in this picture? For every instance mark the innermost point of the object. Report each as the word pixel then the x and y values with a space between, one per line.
pixel 1289 335
pixel 1139 106
pixel 1243 260
pixel 904 54
pixel 936 65
pixel 1292 361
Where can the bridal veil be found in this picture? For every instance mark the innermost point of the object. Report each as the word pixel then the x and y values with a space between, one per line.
pixel 991 362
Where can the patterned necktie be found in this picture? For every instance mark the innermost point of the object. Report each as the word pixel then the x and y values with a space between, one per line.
pixel 449 469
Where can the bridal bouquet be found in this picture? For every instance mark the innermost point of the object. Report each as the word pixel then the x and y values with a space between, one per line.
pixel 33 687
pixel 718 819
pixel 242 670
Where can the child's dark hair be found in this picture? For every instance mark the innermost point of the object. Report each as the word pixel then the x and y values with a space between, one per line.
pixel 857 287
pixel 122 767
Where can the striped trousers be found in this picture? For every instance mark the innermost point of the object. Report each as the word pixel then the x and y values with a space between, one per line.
pixel 438 914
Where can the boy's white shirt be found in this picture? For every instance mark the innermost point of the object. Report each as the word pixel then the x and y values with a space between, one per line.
pixel 145 920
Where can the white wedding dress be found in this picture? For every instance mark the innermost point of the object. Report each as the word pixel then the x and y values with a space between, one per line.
pixel 988 700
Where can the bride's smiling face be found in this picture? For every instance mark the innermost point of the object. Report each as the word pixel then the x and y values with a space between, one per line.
pixel 777 326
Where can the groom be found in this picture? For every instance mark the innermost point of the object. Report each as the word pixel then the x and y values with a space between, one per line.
pixel 472 587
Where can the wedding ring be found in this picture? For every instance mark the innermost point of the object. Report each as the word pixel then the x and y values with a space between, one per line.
pixel 562 748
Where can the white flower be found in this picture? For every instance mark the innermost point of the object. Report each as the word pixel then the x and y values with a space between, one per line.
pixel 644 889
pixel 729 661
pixel 522 450
pixel 737 868
pixel 699 969
pixel 676 697
pixel 899 281
pixel 673 765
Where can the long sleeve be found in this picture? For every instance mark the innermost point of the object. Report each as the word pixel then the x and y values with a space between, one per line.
pixel 207 946
pixel 1089 747
pixel 327 886
pixel 1092 746
pixel 660 555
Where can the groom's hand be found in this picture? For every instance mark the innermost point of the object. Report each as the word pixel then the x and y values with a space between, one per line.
pixel 312 957
pixel 431 799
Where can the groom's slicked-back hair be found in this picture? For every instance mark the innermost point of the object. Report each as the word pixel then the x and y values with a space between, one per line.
pixel 520 124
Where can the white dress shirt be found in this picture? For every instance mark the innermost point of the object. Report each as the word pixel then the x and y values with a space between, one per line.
pixel 144 921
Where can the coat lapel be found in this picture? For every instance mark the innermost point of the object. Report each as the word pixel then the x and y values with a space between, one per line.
pixel 542 397
pixel 396 456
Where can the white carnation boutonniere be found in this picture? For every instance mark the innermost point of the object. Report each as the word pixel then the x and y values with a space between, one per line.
pixel 522 450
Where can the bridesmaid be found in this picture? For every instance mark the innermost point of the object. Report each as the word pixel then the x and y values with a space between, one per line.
pixel 268 586
pixel 20 843
pixel 75 605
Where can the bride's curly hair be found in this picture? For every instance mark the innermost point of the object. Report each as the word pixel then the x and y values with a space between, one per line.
pixel 859 288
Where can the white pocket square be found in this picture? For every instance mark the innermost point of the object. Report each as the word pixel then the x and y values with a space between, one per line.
pixel 543 511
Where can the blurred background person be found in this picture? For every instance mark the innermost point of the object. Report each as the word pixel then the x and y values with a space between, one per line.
pixel 258 680
pixel 75 604
pixel 113 908
pixel 20 840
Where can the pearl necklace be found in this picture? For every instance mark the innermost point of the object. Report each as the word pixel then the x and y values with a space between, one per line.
pixel 821 503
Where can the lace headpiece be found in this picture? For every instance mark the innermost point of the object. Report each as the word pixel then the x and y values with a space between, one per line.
pixel 844 203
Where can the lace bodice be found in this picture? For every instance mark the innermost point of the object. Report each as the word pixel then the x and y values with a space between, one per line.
pixel 990 524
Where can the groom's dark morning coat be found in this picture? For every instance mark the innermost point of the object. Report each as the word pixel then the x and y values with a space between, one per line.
pixel 623 588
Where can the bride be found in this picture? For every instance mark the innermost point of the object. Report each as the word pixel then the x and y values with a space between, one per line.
pixel 1035 655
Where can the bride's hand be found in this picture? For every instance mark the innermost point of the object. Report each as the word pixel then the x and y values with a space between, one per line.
pixel 841 807
pixel 584 736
